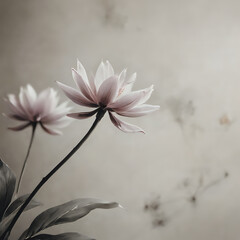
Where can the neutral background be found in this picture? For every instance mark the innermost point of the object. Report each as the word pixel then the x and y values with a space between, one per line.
pixel 190 51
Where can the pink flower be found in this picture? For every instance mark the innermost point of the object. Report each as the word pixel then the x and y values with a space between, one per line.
pixel 32 109
pixel 110 92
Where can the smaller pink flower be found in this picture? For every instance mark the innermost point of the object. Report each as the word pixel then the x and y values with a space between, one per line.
pixel 43 109
pixel 110 92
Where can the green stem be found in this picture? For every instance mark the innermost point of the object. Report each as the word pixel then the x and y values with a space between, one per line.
pixel 99 116
pixel 34 125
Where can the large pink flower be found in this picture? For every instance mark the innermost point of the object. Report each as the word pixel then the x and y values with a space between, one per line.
pixel 43 108
pixel 110 92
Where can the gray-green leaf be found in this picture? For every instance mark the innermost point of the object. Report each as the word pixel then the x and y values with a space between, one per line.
pixel 18 202
pixel 7 186
pixel 67 212
pixel 13 208
pixel 63 236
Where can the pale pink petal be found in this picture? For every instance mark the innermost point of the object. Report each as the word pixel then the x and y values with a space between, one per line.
pixel 60 123
pixel 129 83
pixel 25 101
pixel 104 71
pixel 42 108
pixel 147 95
pixel 139 111
pixel 62 108
pixel 131 99
pixel 53 99
pixel 50 131
pixel 29 95
pixel 100 75
pixel 43 103
pixel 15 106
pixel 52 117
pixel 108 91
pixel 46 103
pixel 76 96
pixel 56 113
pixel 132 78
pixel 82 115
pixel 82 85
pixel 108 70
pixel 17 102
pixel 92 85
pixel 125 127
pixel 124 80
pixel 20 127
pixel 15 116
pixel 32 95
pixel 82 72
pixel 122 77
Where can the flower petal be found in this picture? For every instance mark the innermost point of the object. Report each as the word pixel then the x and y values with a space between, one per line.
pixel 63 107
pixel 15 106
pixel 59 123
pixel 131 99
pixel 82 85
pixel 104 71
pixel 139 111
pixel 52 117
pixel 14 116
pixel 43 108
pixel 20 127
pixel 81 70
pixel 129 83
pixel 76 96
pixel 122 76
pixel 53 99
pixel 55 114
pixel 32 95
pixel 108 91
pixel 25 101
pixel 126 85
pixel 82 115
pixel 99 76
pixel 46 103
pixel 42 105
pixel 146 95
pixel 108 70
pixel 125 127
pixel 50 131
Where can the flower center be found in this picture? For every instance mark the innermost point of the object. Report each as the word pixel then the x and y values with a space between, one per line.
pixel 37 118
pixel 102 105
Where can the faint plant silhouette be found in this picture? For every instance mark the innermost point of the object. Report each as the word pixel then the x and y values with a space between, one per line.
pixel 162 211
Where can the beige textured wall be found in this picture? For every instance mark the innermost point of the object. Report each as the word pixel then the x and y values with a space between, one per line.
pixel 190 51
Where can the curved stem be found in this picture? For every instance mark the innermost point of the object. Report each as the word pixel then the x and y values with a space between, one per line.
pixel 99 116
pixel 34 125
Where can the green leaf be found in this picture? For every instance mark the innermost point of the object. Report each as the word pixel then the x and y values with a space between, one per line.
pixel 63 236
pixel 18 202
pixel 67 212
pixel 7 186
